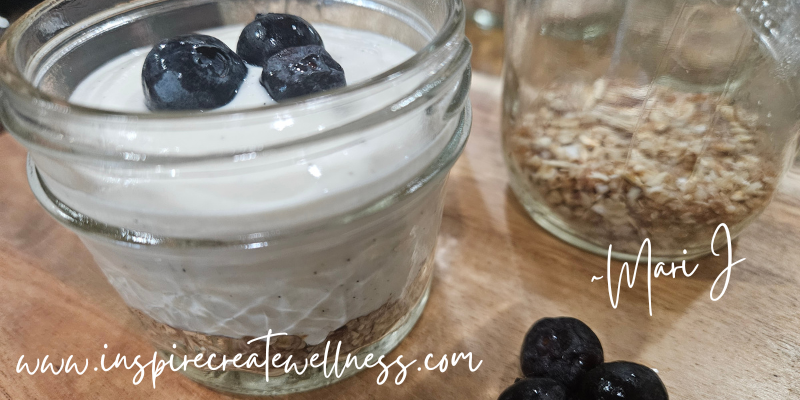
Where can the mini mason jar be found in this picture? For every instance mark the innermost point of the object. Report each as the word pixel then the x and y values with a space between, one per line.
pixel 627 120
pixel 316 218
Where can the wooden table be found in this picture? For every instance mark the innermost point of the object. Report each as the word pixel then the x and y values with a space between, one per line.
pixel 496 273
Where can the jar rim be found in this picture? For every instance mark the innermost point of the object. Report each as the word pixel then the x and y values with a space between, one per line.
pixel 13 79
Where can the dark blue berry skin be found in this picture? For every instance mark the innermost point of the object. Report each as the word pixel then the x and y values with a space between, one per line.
pixel 621 380
pixel 271 33
pixel 534 389
pixel 300 71
pixel 562 349
pixel 191 72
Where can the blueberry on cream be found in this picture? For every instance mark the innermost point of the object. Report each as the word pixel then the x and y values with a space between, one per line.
pixel 191 72
pixel 300 71
pixel 272 33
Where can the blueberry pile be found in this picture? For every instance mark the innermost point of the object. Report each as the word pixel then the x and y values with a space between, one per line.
pixel 199 72
pixel 562 359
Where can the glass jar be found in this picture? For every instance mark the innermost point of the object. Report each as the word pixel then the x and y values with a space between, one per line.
pixel 660 119
pixel 315 218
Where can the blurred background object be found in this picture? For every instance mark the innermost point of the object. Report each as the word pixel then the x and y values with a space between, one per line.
pixel 485 31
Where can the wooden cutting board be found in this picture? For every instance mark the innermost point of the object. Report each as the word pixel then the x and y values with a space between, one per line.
pixel 496 273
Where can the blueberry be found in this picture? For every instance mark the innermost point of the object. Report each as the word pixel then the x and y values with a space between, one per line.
pixel 562 349
pixel 534 389
pixel 622 380
pixel 271 33
pixel 191 72
pixel 299 71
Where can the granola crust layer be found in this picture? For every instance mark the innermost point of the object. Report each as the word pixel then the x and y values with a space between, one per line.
pixel 354 335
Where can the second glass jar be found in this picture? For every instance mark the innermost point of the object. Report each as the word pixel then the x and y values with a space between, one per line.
pixel 644 119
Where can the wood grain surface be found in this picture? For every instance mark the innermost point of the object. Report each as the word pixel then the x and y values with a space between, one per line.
pixel 496 273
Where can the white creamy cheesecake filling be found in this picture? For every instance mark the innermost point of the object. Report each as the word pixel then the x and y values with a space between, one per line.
pixel 301 288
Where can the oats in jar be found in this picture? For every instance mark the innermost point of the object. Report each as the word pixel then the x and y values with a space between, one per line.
pixel 622 163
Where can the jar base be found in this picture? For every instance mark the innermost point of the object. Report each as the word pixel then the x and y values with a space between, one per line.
pixel 565 235
pixel 255 384
pixel 557 229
